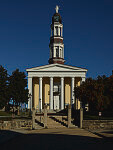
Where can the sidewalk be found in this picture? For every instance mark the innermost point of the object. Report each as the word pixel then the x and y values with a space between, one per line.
pixel 106 134
pixel 6 135
pixel 64 131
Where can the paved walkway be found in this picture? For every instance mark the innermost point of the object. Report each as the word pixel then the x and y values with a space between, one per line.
pixel 47 139
pixel 64 131
pixel 107 134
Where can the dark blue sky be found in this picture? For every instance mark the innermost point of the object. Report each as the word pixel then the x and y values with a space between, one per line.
pixel 88 33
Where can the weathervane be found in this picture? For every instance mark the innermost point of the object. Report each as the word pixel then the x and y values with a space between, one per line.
pixel 57 8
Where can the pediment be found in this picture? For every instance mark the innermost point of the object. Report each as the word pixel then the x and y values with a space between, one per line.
pixel 55 68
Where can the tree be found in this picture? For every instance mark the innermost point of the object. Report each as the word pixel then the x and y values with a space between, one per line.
pixel 109 90
pixel 4 95
pixel 18 87
pixel 97 92
pixel 86 93
pixel 102 99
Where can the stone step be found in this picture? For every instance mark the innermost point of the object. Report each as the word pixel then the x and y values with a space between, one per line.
pixel 52 127
pixel 37 126
pixel 53 122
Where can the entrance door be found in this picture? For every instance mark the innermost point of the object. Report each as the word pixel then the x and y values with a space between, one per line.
pixel 56 102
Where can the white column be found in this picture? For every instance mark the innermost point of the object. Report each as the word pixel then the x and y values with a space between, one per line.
pixel 51 92
pixel 72 90
pixel 62 93
pixel 59 31
pixel 30 93
pixel 40 92
pixel 54 51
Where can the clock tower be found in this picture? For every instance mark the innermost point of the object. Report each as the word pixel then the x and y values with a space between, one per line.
pixel 56 40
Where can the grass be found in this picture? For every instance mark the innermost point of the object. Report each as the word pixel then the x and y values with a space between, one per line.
pixel 3 113
pixel 91 117
pixel 7 116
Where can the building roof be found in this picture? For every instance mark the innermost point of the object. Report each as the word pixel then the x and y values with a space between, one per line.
pixel 56 67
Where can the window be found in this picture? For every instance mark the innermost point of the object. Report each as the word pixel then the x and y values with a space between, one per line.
pixel 57 51
pixel 55 88
pixel 56 31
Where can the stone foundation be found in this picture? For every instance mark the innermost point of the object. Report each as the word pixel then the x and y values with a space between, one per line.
pixel 97 124
pixel 16 124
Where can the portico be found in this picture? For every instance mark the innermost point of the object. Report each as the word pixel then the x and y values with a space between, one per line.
pixel 53 85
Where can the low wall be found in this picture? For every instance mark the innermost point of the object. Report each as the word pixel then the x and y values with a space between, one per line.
pixel 16 124
pixel 97 124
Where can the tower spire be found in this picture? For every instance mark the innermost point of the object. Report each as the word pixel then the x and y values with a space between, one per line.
pixel 57 8
pixel 56 40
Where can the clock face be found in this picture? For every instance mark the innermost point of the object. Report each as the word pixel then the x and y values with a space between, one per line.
pixel 56 18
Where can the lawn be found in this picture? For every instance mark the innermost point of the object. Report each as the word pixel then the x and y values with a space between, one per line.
pixel 3 113
pixel 91 117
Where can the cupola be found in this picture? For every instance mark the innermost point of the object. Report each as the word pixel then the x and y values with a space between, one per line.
pixel 56 40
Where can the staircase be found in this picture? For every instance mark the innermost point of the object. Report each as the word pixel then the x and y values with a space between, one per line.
pixel 52 122
pixel 56 122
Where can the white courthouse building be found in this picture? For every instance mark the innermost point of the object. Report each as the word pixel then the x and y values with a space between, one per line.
pixel 53 84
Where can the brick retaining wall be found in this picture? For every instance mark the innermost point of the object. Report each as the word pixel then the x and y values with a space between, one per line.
pixel 97 124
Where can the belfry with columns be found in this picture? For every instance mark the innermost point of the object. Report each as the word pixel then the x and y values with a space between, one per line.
pixel 53 84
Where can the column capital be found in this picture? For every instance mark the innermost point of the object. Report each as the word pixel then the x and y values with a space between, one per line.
pixel 72 78
pixel 51 78
pixel 62 78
